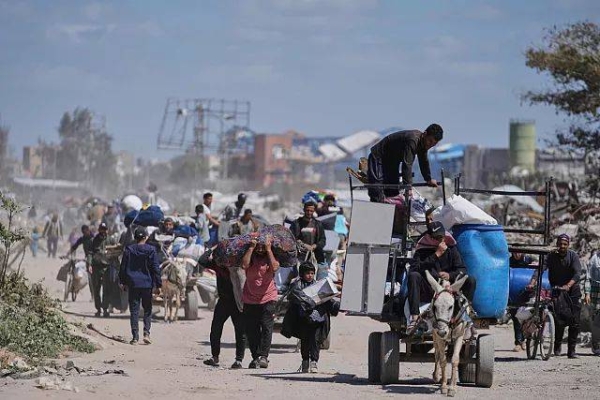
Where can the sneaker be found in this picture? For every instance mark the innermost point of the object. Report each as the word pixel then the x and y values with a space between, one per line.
pixel 147 339
pixel 263 362
pixel 312 368
pixel 518 348
pixel 557 353
pixel 236 365
pixel 106 314
pixel 133 342
pixel 523 346
pixel 572 354
pixel 98 314
pixel 304 366
pixel 213 362
pixel 253 364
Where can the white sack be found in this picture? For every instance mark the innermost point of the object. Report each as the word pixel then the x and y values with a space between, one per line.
pixel 459 210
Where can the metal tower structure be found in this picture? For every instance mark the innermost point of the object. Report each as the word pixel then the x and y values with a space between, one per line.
pixel 201 124
pixel 204 126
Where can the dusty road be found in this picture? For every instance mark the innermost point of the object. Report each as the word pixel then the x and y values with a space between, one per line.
pixel 172 366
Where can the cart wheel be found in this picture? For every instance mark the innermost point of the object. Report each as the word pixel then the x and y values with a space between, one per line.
pixel 546 337
pixel 485 361
pixel 390 357
pixel 67 288
pixel 191 304
pixel 531 345
pixel 327 342
pixel 467 372
pixel 374 357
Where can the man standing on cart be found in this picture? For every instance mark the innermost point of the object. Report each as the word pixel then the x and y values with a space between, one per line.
pixel 564 272
pixel 401 148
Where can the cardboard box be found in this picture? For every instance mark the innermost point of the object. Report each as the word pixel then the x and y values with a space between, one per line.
pixel 321 291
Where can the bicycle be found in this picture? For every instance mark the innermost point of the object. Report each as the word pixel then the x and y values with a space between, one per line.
pixel 539 330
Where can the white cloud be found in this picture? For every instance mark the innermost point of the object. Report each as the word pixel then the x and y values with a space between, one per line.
pixel 79 33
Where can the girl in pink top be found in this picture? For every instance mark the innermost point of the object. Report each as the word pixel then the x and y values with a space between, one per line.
pixel 259 296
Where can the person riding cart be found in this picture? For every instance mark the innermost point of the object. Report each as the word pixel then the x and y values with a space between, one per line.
pixel 437 253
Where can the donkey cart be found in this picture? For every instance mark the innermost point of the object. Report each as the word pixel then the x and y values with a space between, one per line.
pixel 369 255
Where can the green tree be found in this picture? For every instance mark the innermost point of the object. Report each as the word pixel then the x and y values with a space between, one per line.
pixel 570 56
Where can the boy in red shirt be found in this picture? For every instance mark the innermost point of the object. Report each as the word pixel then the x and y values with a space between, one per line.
pixel 259 296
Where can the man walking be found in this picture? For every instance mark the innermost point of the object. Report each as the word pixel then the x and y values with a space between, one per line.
pixel 592 297
pixel 564 272
pixel 226 307
pixel 139 275
pixel 401 148
pixel 99 267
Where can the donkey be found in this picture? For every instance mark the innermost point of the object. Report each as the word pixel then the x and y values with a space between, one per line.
pixel 448 328
pixel 173 280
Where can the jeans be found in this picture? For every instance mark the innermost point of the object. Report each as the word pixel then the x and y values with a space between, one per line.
pixel 259 320
pixel 309 346
pixel 52 246
pixel 137 296
pixel 519 337
pixel 224 309
pixel 419 290
pixel 100 292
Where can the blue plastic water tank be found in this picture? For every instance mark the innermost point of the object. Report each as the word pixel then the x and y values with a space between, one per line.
pixel 519 279
pixel 485 253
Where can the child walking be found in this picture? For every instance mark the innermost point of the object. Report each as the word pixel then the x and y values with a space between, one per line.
pixel 306 320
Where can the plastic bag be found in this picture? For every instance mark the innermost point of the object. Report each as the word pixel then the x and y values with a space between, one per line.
pixel 459 210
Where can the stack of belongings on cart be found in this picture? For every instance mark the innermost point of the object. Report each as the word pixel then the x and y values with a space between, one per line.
pixel 229 253
pixel 483 247
pixel 418 207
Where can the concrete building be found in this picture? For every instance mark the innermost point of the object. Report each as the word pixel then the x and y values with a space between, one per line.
pixel 271 158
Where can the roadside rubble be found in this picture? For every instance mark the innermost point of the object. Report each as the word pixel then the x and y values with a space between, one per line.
pixel 53 376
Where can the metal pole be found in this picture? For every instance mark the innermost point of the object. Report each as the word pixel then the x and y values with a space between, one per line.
pixel 443 188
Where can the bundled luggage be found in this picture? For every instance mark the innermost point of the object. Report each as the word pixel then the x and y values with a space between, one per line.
pixel 147 216
pixel 229 253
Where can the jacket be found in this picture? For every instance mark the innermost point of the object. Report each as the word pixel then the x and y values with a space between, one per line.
pixel 450 262
pixel 139 267
pixel 563 269
pixel 319 235
pixel 302 310
pixel 401 148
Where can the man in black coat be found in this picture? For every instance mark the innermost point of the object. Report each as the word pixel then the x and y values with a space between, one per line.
pixel 310 234
pixel 226 307
pixel 401 148
pixel 564 272
pixel 442 261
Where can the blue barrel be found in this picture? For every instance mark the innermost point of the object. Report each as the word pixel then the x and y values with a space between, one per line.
pixel 519 279
pixel 485 253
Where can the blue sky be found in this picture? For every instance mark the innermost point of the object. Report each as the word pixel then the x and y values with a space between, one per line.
pixel 324 68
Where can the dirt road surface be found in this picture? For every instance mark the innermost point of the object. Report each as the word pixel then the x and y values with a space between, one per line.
pixel 172 366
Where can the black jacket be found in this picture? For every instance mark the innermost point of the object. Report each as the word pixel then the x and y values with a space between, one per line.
pixel 450 262
pixel 296 228
pixel 562 269
pixel 401 148
pixel 301 307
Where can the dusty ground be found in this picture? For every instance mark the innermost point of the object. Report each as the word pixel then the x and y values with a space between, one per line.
pixel 172 365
